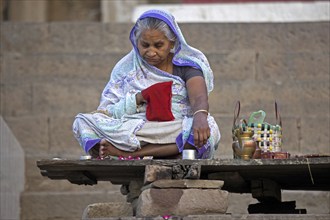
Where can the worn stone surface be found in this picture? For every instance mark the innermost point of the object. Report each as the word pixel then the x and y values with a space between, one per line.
pixel 134 190
pixel 257 217
pixel 188 184
pixel 229 217
pixel 102 210
pixel 12 169
pixel 28 129
pixel 192 171
pixel 60 128
pixel 156 172
pixel 181 202
pixel 65 205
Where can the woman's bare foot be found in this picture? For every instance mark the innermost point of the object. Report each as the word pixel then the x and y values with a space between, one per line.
pixel 155 150
pixel 94 151
pixel 107 149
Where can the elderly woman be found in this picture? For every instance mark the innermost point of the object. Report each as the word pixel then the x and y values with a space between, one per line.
pixel 156 102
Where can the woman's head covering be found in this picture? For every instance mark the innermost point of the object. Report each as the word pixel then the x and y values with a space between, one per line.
pixel 132 74
pixel 184 55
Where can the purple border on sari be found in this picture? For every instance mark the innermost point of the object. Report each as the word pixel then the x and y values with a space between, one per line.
pixel 89 144
pixel 190 140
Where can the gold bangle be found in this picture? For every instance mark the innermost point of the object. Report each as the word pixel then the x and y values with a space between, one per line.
pixel 201 110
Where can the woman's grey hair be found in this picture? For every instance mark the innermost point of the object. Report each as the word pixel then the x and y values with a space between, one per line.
pixel 154 24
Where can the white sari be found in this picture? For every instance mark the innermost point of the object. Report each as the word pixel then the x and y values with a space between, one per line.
pixel 128 129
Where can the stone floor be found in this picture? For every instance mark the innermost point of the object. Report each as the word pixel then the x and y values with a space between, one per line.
pixel 231 217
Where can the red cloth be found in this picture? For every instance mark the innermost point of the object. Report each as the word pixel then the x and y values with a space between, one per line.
pixel 158 97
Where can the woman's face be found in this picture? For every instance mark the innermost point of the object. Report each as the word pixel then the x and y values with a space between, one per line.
pixel 154 47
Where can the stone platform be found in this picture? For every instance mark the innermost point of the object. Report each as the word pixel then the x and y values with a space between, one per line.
pixel 304 173
pixel 230 217
pixel 193 187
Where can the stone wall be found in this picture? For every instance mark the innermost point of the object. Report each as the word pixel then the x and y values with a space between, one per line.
pixel 52 71
pixel 12 173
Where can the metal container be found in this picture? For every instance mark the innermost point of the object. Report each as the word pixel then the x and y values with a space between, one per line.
pixel 188 154
pixel 86 157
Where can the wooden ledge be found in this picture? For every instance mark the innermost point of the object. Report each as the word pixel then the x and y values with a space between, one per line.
pixel 292 174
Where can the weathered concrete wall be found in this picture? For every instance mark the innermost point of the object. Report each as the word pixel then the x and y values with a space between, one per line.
pixel 12 175
pixel 52 71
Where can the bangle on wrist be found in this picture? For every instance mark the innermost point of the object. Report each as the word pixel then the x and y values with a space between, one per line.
pixel 201 110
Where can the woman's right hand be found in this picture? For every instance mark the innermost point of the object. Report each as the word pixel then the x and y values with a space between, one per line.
pixel 139 99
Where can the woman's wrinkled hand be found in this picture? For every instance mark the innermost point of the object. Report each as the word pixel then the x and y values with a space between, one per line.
pixel 201 129
pixel 139 99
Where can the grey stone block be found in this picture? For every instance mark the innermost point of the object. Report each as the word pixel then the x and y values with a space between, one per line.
pixel 233 65
pixel 65 98
pixel 62 142
pixel 187 184
pixel 115 37
pixel 216 37
pixel 75 37
pixel 307 36
pixel 81 67
pixel 21 37
pixel 225 125
pixel 261 37
pixel 315 202
pixel 291 135
pixel 134 189
pixel 314 136
pixel 272 66
pixel 258 217
pixel 62 205
pixel 303 98
pixel 59 66
pixel 59 11
pixel 103 210
pixel 307 66
pixel 18 67
pixel 31 132
pixel 156 172
pixel 12 173
pixel 16 99
pixel 181 202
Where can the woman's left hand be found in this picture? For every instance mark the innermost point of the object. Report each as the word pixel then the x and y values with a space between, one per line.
pixel 201 129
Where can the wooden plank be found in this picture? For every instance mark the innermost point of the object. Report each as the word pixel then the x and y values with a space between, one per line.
pixel 305 173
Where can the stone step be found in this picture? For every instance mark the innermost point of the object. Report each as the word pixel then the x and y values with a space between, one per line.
pixel 62 205
pixel 181 202
pixel 228 217
pixel 93 38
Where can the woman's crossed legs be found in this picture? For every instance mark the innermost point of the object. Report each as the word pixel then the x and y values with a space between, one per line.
pixel 155 150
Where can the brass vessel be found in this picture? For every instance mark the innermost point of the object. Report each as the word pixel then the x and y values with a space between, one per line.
pixel 245 147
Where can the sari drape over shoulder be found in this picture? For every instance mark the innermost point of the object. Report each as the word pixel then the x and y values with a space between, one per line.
pixel 117 118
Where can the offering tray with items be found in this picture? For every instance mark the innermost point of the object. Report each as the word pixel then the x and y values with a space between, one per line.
pixel 255 138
